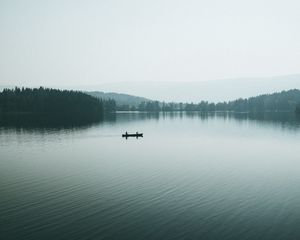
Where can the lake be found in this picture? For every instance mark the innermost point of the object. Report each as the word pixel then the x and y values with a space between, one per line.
pixel 192 176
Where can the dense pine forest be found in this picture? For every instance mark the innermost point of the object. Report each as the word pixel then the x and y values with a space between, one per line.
pixel 52 101
pixel 283 101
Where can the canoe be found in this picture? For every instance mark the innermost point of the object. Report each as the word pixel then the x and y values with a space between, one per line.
pixel 126 135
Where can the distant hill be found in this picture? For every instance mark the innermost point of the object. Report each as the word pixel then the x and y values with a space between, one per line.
pixel 279 101
pixel 196 91
pixel 284 101
pixel 120 98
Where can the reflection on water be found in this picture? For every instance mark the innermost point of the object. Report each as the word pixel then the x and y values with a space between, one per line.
pixel 39 121
pixel 192 176
pixel 288 120
pixel 42 122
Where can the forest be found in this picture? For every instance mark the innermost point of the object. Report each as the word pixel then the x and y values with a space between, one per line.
pixel 52 101
pixel 282 101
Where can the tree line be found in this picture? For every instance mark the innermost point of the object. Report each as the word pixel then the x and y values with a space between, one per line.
pixel 282 101
pixel 47 100
pixel 52 101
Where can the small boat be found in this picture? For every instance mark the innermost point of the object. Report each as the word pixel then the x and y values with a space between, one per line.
pixel 137 135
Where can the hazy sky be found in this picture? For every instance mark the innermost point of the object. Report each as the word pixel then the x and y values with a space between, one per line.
pixel 73 43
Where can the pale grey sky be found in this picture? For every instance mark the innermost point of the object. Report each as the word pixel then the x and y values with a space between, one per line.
pixel 74 43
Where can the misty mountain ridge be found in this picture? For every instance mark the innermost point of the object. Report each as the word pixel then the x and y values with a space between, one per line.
pixel 212 91
pixel 284 101
pixel 120 98
pixel 128 93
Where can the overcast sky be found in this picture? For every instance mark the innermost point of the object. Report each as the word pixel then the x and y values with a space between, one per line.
pixel 73 43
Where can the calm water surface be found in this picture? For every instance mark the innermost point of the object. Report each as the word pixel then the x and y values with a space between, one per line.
pixel 192 176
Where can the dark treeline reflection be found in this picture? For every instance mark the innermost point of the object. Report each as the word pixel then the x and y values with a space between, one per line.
pixel 56 121
pixel 279 119
pixel 53 121
pixel 122 117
